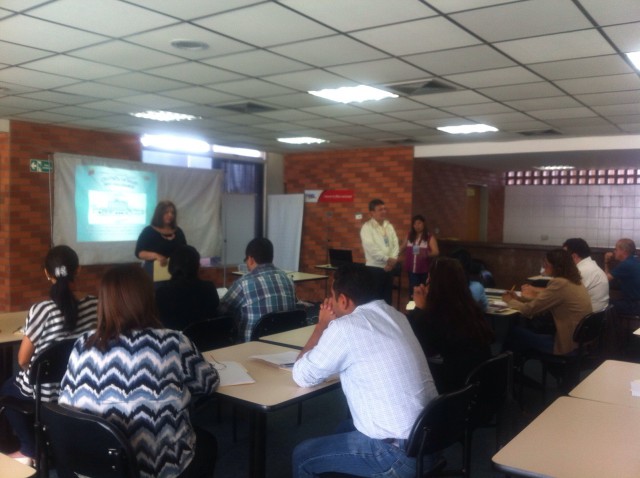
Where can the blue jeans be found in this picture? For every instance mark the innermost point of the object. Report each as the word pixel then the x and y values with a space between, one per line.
pixel 22 425
pixel 521 339
pixel 350 451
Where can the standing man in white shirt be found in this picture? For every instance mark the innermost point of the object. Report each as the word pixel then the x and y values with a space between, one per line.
pixel 384 375
pixel 593 278
pixel 381 248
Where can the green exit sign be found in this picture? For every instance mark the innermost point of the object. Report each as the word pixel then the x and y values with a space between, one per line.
pixel 40 166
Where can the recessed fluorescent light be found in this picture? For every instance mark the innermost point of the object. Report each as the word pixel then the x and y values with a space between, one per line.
pixel 302 140
pixel 164 116
pixel 175 143
pixel 251 153
pixel 634 56
pixel 553 168
pixel 467 128
pixel 353 94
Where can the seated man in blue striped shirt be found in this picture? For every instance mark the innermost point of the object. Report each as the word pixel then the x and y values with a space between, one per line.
pixel 264 289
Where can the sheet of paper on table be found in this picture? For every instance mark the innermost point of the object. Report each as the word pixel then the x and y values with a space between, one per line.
pixel 231 373
pixel 284 360
pixel 635 388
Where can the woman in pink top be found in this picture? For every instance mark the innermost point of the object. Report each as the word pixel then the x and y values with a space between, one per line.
pixel 419 247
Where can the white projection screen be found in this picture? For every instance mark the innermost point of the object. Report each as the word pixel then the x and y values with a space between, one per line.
pixel 101 205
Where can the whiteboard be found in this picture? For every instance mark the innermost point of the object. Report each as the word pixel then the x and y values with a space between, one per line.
pixel 284 228
pixel 238 223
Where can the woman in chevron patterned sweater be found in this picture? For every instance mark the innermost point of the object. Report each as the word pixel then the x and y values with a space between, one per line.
pixel 142 378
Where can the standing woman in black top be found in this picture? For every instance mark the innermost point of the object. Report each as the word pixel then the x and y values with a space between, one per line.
pixel 157 241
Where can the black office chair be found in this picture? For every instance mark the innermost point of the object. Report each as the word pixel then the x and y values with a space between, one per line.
pixel 566 368
pixel 49 366
pixel 212 333
pixel 276 322
pixel 86 444
pixel 442 423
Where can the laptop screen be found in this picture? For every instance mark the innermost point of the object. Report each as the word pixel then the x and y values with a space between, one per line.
pixel 337 257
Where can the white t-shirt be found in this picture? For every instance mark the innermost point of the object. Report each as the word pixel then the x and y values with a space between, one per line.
pixel 596 282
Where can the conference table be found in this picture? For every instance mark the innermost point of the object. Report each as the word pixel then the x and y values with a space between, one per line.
pixel 296 338
pixel 10 468
pixel 610 383
pixel 295 276
pixel 576 437
pixel 273 390
pixel 10 325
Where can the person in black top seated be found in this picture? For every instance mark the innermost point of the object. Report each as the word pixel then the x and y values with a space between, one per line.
pixel 185 298
pixel 448 322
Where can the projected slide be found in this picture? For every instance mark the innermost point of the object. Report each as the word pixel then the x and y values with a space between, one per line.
pixel 113 204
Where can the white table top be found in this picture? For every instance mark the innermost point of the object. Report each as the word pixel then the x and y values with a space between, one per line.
pixel 610 383
pixel 9 323
pixel 636 332
pixel 294 338
pixel 10 468
pixel 274 387
pixel 576 438
pixel 295 276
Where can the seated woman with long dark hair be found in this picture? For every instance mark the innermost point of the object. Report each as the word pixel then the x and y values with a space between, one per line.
pixel 142 378
pixel 448 322
pixel 565 297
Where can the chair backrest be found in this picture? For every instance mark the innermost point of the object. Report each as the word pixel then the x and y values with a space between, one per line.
pixel 442 423
pixel 50 365
pixel 86 444
pixel 590 327
pixel 276 322
pixel 212 333
pixel 494 380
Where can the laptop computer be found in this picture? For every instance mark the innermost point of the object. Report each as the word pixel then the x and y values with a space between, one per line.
pixel 338 257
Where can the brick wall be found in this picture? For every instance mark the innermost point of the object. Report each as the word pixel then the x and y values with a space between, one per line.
pixel 439 193
pixel 4 219
pixel 381 172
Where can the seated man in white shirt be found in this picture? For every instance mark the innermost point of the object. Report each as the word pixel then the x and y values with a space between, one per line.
pixel 384 375
pixel 593 277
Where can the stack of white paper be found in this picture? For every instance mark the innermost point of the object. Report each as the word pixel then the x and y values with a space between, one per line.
pixel 635 388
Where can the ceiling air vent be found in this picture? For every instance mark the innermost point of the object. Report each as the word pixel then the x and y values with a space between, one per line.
pixel 540 132
pixel 247 107
pixel 422 87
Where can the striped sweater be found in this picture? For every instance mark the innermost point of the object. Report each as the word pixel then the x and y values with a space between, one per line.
pixel 143 383
pixel 45 325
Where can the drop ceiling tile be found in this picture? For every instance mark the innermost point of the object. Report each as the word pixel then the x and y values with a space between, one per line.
pixel 482 108
pixel 395 126
pixel 631 108
pixel 526 19
pixel 389 105
pixel 23 76
pixel 450 6
pixel 419 114
pixel 630 128
pixel 108 17
pixel 322 123
pixel 45 35
pixel 281 126
pixel 543 103
pixel 8 111
pixel 604 99
pixel 111 106
pixel 418 36
pixel 298 100
pixel 521 92
pixel 154 101
pixel 96 90
pixel 563 46
pixel 372 119
pixel 282 26
pixel 161 40
pixel 600 84
pixel 125 55
pixel 379 72
pixel 359 14
pixel 257 63
pixel 143 82
pixel 530 125
pixel 503 76
pixel 78 111
pixel 310 80
pixel 460 60
pixel 26 104
pixel 335 110
pixel 252 88
pixel 577 122
pixel 581 112
pixel 582 67
pixel 329 51
pixel 194 73
pixel 44 117
pixel 287 115
pixel 500 120
pixel 74 67
pixel 624 11
pixel 58 97
pixel 16 54
pixel 626 37
pixel 454 98
pixel 21 5
pixel 198 94
pixel 196 9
